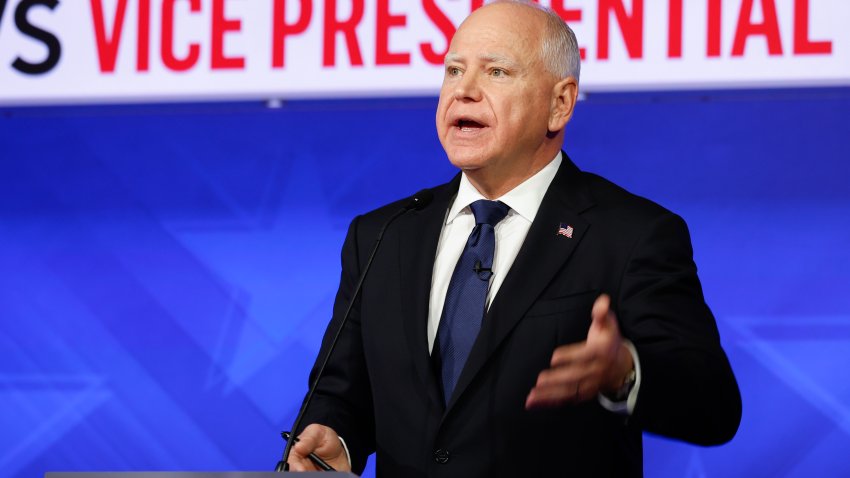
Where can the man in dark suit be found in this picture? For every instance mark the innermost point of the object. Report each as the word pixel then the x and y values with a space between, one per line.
pixel 533 320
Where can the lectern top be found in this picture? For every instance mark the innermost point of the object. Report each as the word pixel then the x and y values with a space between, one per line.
pixel 189 474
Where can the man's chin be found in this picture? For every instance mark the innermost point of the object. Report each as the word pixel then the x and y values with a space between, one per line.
pixel 468 161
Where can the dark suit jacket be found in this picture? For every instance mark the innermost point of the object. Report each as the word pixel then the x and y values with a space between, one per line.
pixel 381 393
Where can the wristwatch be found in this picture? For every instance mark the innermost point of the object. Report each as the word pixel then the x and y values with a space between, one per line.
pixel 622 393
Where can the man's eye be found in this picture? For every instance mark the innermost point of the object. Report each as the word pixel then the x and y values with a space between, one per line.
pixel 498 72
pixel 453 71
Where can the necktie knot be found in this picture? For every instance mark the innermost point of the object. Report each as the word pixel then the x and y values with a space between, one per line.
pixel 489 212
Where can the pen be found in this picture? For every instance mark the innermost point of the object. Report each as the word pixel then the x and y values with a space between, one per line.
pixel 312 456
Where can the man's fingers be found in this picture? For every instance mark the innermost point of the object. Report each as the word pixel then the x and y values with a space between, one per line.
pixel 300 463
pixel 561 392
pixel 550 396
pixel 302 449
pixel 574 390
pixel 306 444
pixel 567 355
pixel 568 374
pixel 309 440
pixel 577 381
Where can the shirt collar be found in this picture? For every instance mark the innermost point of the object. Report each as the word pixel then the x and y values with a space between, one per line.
pixel 524 199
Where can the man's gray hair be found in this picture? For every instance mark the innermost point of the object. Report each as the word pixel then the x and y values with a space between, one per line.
pixel 560 52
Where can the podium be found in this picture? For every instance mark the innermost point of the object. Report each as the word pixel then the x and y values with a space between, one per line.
pixel 191 474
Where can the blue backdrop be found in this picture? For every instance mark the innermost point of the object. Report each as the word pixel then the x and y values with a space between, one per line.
pixel 166 271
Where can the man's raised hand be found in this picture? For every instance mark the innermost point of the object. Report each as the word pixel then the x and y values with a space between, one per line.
pixel 580 371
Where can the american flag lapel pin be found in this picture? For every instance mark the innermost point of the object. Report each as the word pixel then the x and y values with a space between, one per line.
pixel 565 230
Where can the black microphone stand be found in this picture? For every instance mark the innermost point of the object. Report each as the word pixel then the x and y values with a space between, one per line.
pixel 418 201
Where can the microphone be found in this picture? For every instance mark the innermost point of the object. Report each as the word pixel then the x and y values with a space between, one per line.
pixel 484 273
pixel 417 202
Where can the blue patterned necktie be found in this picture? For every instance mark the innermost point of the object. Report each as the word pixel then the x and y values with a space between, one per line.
pixel 466 297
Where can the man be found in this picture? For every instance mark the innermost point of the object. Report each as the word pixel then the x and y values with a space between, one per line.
pixel 590 326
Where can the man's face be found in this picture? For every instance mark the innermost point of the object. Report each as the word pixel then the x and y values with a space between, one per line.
pixel 496 97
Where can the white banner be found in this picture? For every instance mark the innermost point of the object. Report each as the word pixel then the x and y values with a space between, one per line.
pixel 81 51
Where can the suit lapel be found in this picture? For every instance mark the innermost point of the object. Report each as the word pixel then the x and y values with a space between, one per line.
pixel 542 254
pixel 419 236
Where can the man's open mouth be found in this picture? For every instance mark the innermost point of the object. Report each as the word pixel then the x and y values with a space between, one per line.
pixel 468 125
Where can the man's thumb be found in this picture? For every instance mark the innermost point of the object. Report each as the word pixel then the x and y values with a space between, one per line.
pixel 599 313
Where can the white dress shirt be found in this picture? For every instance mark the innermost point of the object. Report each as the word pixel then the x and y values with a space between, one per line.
pixel 524 201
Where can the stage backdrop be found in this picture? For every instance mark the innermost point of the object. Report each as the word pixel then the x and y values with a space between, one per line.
pixel 167 270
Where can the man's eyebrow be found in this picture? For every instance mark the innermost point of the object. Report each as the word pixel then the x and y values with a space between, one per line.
pixel 484 58
pixel 496 58
pixel 453 58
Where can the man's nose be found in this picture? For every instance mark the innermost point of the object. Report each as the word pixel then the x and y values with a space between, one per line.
pixel 468 88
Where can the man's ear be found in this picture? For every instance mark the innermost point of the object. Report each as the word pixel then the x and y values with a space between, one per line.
pixel 564 96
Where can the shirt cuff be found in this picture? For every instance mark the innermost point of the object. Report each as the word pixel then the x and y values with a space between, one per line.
pixel 347 454
pixel 627 406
